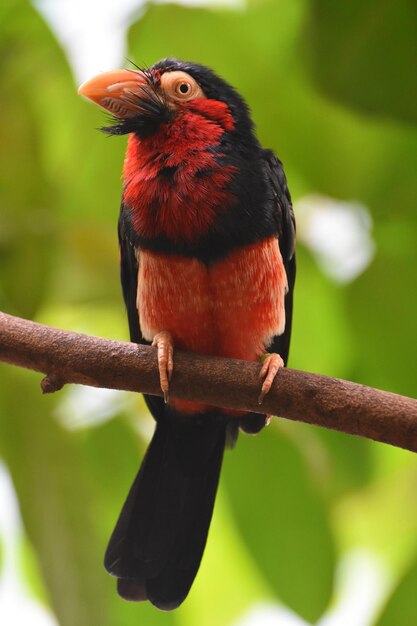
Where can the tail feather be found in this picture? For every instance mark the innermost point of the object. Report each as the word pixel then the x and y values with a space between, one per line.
pixel 156 548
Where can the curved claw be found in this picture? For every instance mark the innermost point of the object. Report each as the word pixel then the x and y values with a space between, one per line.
pixel 272 363
pixel 163 342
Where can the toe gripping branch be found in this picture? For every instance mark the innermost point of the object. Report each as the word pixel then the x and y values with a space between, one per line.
pixel 271 363
pixel 164 344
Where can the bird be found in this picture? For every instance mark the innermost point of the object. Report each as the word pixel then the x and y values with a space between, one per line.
pixel 207 262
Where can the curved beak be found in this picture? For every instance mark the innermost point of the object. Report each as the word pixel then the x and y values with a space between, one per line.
pixel 119 91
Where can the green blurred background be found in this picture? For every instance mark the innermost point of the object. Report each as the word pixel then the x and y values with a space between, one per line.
pixel 310 526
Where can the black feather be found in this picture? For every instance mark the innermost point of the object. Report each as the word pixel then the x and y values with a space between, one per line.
pixel 152 111
pixel 156 547
pixel 285 221
pixel 159 539
pixel 129 279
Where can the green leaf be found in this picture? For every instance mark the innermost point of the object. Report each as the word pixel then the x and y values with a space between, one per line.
pixel 362 53
pixel 55 499
pixel 349 464
pixel 401 606
pixel 283 520
pixel 26 221
pixel 319 313
pixel 71 487
pixel 58 186
pixel 382 307
pixel 31 572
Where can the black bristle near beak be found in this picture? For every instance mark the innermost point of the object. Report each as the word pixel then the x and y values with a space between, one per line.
pixel 152 107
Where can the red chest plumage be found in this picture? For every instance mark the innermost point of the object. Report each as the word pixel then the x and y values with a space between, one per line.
pixel 232 308
pixel 175 186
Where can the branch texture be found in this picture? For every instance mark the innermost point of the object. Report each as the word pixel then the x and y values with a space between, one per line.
pixel 67 357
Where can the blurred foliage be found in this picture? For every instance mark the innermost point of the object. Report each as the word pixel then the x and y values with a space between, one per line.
pixel 367 66
pixel 273 522
pixel 331 89
pixel 401 606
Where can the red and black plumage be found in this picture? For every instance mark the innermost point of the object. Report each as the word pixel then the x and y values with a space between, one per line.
pixel 207 236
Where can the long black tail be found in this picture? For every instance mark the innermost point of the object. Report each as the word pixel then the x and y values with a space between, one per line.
pixel 156 548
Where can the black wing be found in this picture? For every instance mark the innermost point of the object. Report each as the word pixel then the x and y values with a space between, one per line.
pixel 129 276
pixel 129 267
pixel 286 238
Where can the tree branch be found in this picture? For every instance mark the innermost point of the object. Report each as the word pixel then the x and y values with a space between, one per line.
pixel 67 357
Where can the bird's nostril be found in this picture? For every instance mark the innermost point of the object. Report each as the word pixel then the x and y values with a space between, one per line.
pixel 113 105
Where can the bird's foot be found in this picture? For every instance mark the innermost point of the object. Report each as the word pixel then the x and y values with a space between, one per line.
pixel 164 344
pixel 271 363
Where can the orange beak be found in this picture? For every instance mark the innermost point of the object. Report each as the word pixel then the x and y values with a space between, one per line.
pixel 118 92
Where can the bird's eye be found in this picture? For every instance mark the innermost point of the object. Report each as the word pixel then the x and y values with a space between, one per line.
pixel 184 88
pixel 179 87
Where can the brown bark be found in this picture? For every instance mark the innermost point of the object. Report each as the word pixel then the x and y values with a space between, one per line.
pixel 67 357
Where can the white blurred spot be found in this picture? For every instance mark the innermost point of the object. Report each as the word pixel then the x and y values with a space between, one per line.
pixel 83 407
pixel 270 615
pixel 93 32
pixel 338 233
pixel 236 4
pixel 17 608
pixel 362 585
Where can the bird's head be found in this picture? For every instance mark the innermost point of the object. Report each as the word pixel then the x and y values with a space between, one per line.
pixel 191 156
pixel 140 101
